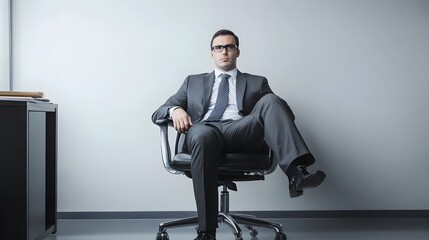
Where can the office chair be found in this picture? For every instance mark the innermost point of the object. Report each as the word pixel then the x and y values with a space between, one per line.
pixel 233 167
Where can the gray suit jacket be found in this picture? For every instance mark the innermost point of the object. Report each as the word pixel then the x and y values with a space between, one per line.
pixel 195 92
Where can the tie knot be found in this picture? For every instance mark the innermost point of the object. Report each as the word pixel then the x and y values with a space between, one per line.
pixel 225 76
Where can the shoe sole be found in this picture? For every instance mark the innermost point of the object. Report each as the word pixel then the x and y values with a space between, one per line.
pixel 294 194
pixel 314 181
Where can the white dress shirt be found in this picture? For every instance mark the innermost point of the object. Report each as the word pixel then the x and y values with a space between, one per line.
pixel 231 111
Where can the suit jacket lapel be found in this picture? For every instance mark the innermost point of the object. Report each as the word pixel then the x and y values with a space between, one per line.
pixel 241 86
pixel 208 82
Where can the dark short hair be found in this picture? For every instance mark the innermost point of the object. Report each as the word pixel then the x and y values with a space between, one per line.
pixel 224 32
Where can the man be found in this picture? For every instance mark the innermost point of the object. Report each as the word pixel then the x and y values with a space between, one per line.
pixel 229 111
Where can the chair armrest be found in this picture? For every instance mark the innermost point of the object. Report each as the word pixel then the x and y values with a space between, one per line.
pixel 165 145
pixel 164 122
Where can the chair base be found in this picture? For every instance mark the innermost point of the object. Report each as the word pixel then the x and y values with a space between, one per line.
pixel 224 217
pixel 231 220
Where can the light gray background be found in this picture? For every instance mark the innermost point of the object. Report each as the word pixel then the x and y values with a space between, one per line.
pixel 4 45
pixel 356 74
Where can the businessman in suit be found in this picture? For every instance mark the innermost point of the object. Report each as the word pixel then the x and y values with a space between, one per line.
pixel 230 111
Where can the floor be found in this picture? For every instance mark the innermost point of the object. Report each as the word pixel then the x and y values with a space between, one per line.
pixel 295 229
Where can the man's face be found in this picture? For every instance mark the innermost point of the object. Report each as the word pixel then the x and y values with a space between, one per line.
pixel 225 60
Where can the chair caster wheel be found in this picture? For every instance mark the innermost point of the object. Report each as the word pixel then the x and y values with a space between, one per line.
pixel 162 236
pixel 253 232
pixel 280 236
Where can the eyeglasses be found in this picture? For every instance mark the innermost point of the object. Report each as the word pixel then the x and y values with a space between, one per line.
pixel 229 48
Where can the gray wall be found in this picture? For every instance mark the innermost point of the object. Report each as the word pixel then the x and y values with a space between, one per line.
pixel 356 74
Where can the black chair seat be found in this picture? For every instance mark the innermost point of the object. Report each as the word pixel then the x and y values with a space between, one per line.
pixel 230 162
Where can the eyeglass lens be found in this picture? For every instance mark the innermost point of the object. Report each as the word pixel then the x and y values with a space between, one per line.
pixel 229 48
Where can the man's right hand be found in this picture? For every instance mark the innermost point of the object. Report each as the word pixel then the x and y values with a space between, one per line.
pixel 181 120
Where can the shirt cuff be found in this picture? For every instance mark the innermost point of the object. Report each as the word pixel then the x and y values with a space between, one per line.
pixel 171 110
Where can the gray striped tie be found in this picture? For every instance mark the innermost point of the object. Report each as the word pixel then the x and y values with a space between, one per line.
pixel 222 99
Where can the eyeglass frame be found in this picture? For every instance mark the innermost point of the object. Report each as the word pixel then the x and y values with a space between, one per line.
pixel 232 47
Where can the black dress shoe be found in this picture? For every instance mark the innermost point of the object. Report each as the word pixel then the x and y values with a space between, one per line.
pixel 304 179
pixel 205 236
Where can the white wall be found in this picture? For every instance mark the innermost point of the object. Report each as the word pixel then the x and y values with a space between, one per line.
pixel 356 74
pixel 4 45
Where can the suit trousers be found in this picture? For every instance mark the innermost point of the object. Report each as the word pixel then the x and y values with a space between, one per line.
pixel 271 122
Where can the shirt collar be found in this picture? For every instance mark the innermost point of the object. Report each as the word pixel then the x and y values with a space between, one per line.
pixel 232 73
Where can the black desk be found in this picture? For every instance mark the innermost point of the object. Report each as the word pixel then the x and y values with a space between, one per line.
pixel 28 169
